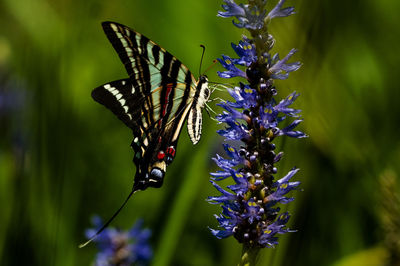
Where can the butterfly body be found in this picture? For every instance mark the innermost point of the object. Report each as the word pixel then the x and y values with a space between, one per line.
pixel 155 101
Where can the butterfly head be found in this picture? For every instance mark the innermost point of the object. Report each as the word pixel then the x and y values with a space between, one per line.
pixel 203 78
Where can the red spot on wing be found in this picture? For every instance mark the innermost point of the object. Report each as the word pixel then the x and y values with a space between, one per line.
pixel 169 87
pixel 171 151
pixel 160 155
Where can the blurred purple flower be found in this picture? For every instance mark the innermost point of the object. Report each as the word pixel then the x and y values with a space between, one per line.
pixel 123 248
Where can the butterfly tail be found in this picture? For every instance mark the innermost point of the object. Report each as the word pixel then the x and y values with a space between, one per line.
pixel 109 220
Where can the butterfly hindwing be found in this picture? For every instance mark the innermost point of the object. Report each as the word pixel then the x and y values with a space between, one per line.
pixel 119 96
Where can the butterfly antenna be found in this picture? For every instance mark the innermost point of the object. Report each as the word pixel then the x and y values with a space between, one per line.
pixel 109 221
pixel 201 60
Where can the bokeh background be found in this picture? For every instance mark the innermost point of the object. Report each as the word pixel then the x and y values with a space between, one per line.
pixel 64 158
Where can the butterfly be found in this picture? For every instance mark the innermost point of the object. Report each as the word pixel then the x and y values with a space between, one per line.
pixel 154 102
pixel 159 96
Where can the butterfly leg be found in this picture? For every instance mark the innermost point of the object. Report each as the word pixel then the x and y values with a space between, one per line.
pixel 208 109
pixel 216 98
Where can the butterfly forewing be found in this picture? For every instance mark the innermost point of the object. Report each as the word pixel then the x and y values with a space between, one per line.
pixel 143 58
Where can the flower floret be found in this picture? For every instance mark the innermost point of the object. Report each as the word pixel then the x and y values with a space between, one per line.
pixel 277 11
pixel 279 66
pixel 232 71
pixel 246 51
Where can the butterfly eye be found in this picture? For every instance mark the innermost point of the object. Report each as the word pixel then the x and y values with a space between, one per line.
pixel 203 78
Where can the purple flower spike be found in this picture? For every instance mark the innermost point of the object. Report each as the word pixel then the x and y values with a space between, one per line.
pixel 253 120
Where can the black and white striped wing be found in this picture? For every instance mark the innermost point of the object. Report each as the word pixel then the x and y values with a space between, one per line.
pixel 154 102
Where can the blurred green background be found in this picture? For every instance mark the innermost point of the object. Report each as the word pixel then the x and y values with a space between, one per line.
pixel 64 157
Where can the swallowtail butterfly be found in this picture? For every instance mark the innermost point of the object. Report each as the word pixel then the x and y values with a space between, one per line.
pixel 155 101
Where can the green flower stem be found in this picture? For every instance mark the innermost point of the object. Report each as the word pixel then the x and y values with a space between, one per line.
pixel 249 255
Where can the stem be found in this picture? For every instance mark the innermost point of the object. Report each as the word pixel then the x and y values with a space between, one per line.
pixel 249 255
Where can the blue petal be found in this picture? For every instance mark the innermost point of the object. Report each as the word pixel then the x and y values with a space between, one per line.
pixel 277 11
pixel 280 65
pixel 231 9
pixel 221 233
